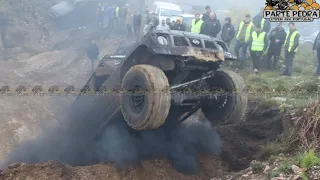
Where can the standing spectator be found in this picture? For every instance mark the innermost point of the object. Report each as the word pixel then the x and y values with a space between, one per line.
pixel 228 32
pixel 136 24
pixel 152 22
pixel 93 54
pixel 163 26
pixel 211 26
pixel 129 23
pixel 106 14
pixel 264 23
pixel 259 43
pixel 242 38
pixel 277 37
pixel 206 15
pixel 178 26
pixel 316 47
pixel 99 16
pixel 169 23
pixel 291 46
pixel 122 19
pixel 117 9
pixel 173 22
pixel 196 24
pixel 112 17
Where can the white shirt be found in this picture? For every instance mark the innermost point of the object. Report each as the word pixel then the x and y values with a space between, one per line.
pixel 161 27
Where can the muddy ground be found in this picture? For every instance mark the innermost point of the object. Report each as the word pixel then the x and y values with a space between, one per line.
pixel 240 145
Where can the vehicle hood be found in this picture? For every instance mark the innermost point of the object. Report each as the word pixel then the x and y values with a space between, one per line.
pixel 62 8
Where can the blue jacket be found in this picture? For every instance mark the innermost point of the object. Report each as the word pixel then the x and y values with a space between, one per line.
pixel 112 12
pixel 107 10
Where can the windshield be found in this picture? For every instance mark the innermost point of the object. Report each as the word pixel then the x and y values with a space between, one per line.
pixel 169 12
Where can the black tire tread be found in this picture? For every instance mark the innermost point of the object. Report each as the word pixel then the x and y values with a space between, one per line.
pixel 237 114
pixel 159 108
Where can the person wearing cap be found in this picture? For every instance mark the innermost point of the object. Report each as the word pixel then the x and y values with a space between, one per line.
pixel 258 45
pixel 242 38
pixel 290 48
pixel 196 24
pixel 206 15
pixel 228 32
pixel 264 23
pixel 178 26
pixel 277 37
pixel 316 47
pixel 211 27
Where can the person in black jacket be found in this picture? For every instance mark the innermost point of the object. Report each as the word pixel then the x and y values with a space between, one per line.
pixel 169 23
pixel 228 32
pixel 178 26
pixel 136 24
pixel 206 15
pixel 93 54
pixel 212 26
pixel 258 19
pixel 316 47
pixel 277 37
pixel 290 51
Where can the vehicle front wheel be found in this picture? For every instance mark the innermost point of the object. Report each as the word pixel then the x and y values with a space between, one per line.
pixel 146 101
pixel 229 107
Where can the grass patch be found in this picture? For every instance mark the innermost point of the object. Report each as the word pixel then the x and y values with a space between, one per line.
pixel 309 159
pixel 269 150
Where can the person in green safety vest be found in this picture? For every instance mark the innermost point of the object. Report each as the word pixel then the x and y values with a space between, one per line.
pixel 265 23
pixel 290 48
pixel 196 24
pixel 258 45
pixel 242 38
pixel 117 16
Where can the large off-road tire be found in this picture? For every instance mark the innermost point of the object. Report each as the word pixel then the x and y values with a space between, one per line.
pixel 229 108
pixel 150 108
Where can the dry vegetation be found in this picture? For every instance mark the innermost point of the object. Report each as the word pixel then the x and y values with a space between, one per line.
pixel 295 154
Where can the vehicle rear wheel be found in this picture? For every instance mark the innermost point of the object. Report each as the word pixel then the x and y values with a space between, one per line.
pixel 230 107
pixel 146 100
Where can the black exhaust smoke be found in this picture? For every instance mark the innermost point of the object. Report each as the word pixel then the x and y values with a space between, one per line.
pixel 120 145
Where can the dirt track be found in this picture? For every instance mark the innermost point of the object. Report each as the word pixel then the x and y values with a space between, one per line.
pixel 240 143
pixel 22 116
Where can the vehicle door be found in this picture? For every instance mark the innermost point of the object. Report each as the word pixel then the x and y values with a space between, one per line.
pixel 98 107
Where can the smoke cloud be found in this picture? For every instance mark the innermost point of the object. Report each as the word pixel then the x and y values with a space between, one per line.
pixel 120 145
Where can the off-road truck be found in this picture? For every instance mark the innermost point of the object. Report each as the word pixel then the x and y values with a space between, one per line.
pixel 163 79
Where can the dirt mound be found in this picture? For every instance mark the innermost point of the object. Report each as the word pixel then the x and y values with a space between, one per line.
pixel 152 169
pixel 242 142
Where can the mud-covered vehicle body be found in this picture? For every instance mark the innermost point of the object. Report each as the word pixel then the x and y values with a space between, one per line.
pixel 162 80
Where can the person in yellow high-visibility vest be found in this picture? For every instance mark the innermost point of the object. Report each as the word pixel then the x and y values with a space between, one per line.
pixel 196 24
pixel 242 38
pixel 290 48
pixel 264 23
pixel 117 17
pixel 258 45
